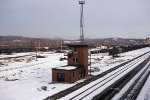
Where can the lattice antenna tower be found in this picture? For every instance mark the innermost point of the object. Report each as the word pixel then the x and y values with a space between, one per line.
pixel 81 2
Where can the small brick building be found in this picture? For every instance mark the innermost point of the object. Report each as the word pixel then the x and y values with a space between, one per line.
pixel 77 67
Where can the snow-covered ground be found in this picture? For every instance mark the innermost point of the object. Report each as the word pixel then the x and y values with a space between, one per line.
pixel 23 78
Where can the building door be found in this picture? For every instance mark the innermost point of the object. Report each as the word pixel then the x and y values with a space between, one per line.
pixel 60 77
pixel 82 74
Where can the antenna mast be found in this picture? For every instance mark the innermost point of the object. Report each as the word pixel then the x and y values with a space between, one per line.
pixel 81 2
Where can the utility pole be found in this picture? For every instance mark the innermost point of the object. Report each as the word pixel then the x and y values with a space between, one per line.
pixel 81 2
pixel 36 50
pixel 90 62
pixel 61 46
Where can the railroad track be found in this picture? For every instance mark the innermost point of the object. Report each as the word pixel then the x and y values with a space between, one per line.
pixel 135 88
pixel 97 85
pixel 109 92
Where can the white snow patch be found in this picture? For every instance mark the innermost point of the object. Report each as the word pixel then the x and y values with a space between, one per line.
pixel 66 67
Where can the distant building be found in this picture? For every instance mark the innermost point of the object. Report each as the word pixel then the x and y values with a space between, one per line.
pixel 148 40
pixel 77 67
pixel 101 47
pixel 97 49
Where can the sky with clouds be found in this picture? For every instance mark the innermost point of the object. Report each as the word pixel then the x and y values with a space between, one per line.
pixel 61 18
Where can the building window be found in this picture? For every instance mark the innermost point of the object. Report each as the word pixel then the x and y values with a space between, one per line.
pixel 75 60
pixel 75 49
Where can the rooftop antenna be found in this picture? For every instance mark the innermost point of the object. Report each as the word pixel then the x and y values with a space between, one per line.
pixel 81 2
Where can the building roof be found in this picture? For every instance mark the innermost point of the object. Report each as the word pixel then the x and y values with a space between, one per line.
pixel 66 67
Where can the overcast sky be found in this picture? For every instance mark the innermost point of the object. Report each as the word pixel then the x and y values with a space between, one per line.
pixel 60 18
